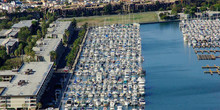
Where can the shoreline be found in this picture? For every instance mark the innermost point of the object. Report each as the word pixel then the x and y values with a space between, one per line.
pixel 160 22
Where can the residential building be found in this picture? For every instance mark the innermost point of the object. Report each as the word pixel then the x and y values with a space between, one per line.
pixel 24 23
pixel 24 88
pixel 45 46
pixel 10 44
pixel 57 29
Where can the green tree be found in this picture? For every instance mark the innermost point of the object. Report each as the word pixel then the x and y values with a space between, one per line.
pixel 3 54
pixel 74 23
pixel 176 9
pixel 53 56
pixel 23 34
pixel 67 33
pixel 44 28
pixel 108 9
pixel 16 53
pixel 203 8
pixel 20 49
pixel 39 34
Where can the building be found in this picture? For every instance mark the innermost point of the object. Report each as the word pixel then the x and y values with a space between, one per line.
pixel 8 7
pixel 10 44
pixel 45 46
pixel 3 33
pixel 23 89
pixel 57 29
pixel 24 23
pixel 13 32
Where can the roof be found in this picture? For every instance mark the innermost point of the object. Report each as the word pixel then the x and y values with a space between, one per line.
pixel 8 41
pixel 59 27
pixel 47 45
pixel 13 32
pixel 34 80
pixel 3 32
pixel 24 23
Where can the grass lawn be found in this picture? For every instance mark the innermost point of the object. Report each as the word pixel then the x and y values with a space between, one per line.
pixel 145 17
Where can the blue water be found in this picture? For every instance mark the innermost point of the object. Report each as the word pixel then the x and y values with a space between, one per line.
pixel 175 79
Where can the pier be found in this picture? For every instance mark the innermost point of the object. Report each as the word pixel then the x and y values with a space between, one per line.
pixel 206 57
pixel 212 72
pixel 211 67
pixel 206 51
pixel 206 46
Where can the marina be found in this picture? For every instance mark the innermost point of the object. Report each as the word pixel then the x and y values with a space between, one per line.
pixel 109 72
pixel 175 79
pixel 201 33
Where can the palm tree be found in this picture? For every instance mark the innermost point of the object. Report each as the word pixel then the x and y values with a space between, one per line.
pixel 53 55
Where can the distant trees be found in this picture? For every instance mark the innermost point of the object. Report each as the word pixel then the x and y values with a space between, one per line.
pixel 108 9
pixel 176 9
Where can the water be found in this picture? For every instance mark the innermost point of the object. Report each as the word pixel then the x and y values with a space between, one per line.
pixel 175 79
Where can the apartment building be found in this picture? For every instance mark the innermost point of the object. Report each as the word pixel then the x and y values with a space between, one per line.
pixel 24 87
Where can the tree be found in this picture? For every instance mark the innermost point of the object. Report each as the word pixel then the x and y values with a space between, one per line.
pixel 67 33
pixel 74 23
pixel 3 55
pixel 108 9
pixel 20 49
pixel 39 33
pixel 44 28
pixel 16 53
pixel 39 105
pixel 53 56
pixel 32 54
pixel 203 8
pixel 23 34
pixel 85 26
pixel 176 9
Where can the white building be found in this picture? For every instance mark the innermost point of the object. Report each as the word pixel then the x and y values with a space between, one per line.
pixel 45 46
pixel 57 29
pixel 23 89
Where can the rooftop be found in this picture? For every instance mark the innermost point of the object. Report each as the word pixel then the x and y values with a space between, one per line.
pixel 24 23
pixel 3 32
pixel 59 27
pixel 33 81
pixel 8 41
pixel 47 45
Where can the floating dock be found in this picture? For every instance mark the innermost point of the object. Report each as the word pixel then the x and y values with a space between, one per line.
pixel 206 51
pixel 210 67
pixel 212 72
pixel 206 46
pixel 206 57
